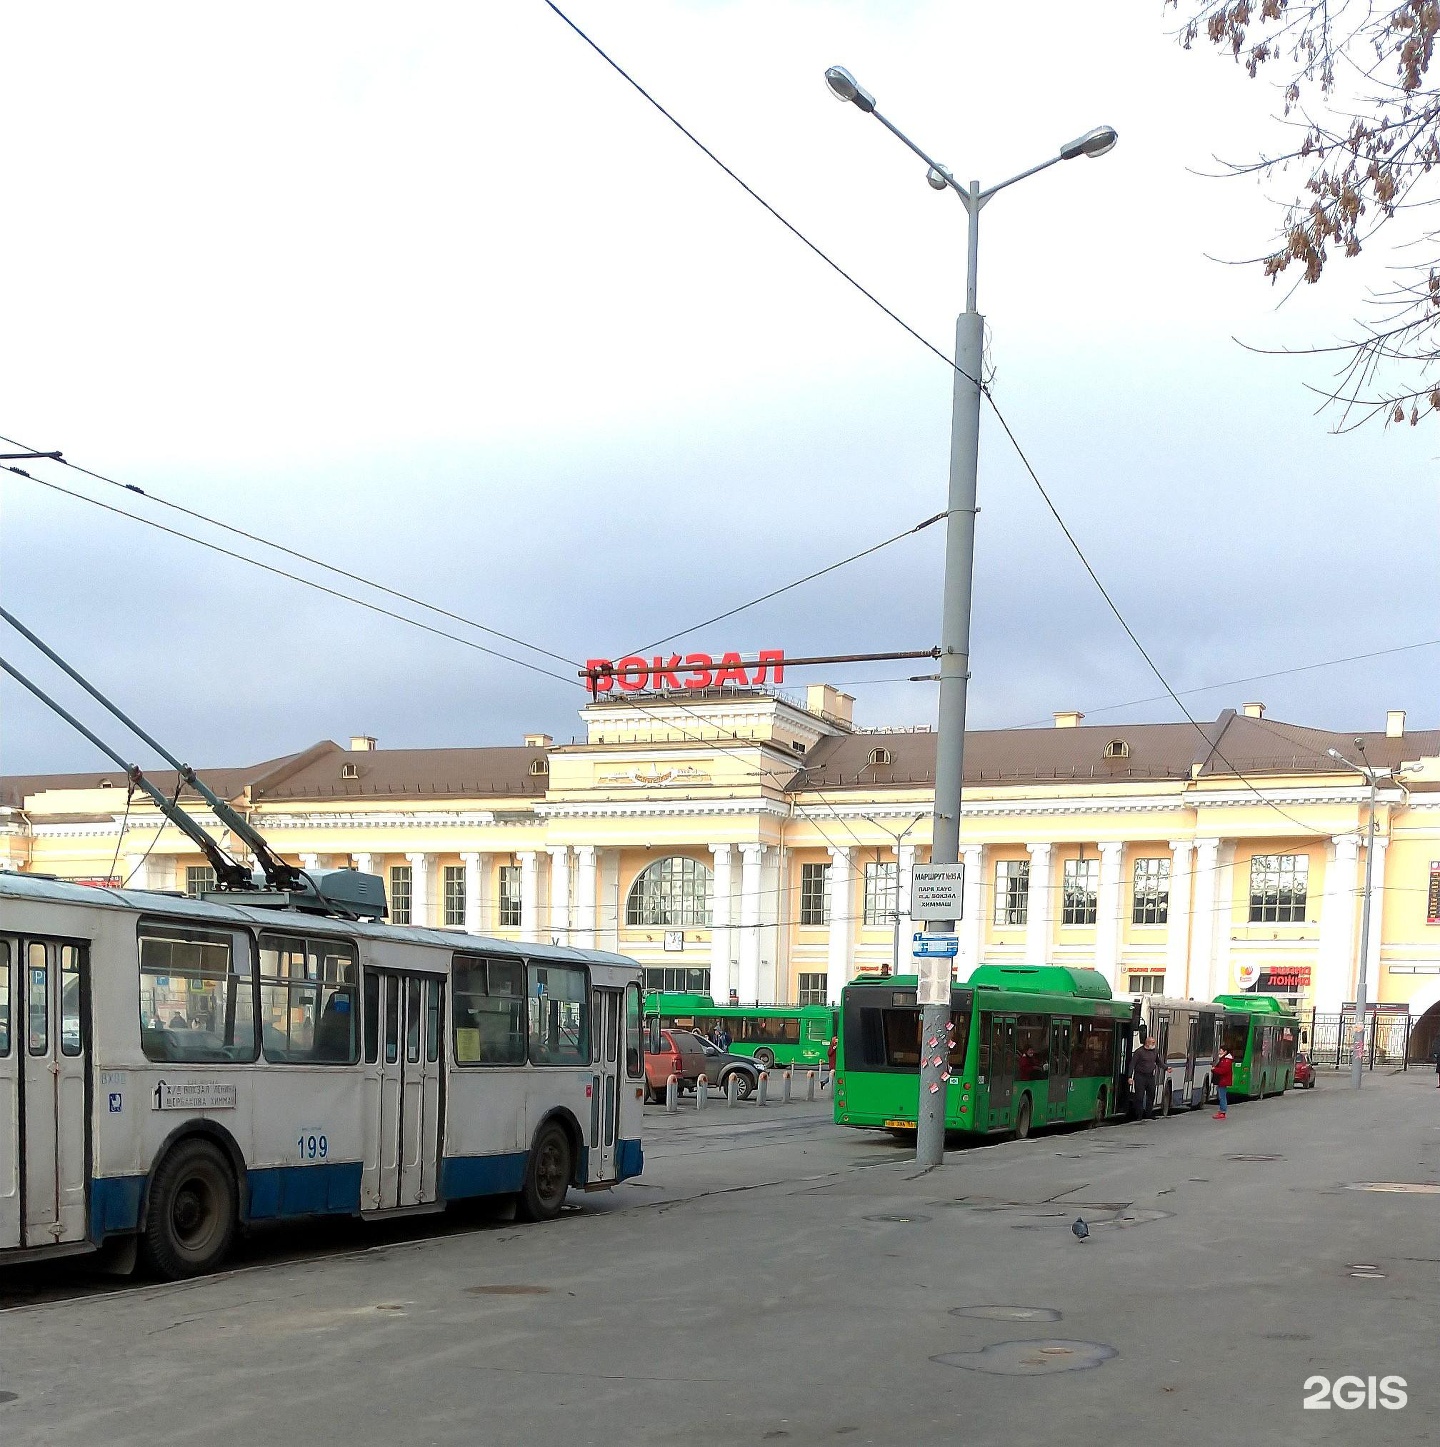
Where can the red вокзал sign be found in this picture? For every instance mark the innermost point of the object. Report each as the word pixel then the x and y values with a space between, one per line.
pixel 694 671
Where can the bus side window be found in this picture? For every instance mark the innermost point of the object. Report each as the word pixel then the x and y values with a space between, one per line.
pixel 392 1019
pixel 38 973
pixel 372 1017
pixel 71 1023
pixel 634 1056
pixel 4 998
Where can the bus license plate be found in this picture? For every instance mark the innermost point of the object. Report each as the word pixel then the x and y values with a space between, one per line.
pixel 899 1125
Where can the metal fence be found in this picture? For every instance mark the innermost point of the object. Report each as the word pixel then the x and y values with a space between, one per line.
pixel 1387 1041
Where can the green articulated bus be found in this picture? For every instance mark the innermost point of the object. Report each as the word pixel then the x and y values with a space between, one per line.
pixel 1034 1045
pixel 1262 1036
pixel 771 1034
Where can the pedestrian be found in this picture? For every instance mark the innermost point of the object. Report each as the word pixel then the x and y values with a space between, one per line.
pixel 722 1037
pixel 1223 1075
pixel 1144 1078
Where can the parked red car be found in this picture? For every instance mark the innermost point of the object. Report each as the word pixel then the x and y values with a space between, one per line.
pixel 1304 1072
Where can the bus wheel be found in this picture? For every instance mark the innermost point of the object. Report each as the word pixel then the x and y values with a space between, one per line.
pixel 1022 1120
pixel 547 1175
pixel 190 1221
pixel 765 1058
pixel 1165 1100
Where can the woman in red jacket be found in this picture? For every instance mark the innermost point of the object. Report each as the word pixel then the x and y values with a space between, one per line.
pixel 1223 1075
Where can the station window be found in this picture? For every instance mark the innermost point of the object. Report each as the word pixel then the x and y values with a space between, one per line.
pixel 197 994
pixel 559 999
pixel 1012 891
pixel 199 879
pixel 487 1004
pixel 455 894
pixel 1147 984
pixel 308 990
pixel 814 990
pixel 882 891
pixel 1152 892
pixel 814 894
pixel 510 907
pixel 1278 885
pixel 400 884
pixel 677 980
pixel 1082 882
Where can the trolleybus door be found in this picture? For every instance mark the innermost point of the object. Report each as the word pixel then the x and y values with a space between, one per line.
pixel 605 1083
pixel 402 1144
pixel 44 1078
pixel 1059 1069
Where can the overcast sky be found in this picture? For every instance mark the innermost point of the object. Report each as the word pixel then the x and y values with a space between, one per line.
pixel 429 291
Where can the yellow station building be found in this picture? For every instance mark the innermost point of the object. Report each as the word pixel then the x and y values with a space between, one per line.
pixel 753 842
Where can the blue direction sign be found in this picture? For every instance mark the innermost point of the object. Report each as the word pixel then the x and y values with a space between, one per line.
pixel 935 946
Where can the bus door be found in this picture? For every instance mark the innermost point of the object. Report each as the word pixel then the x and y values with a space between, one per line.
pixel 402 1128
pixel 1191 1054
pixel 44 1084
pixel 609 1016
pixel 1002 1069
pixel 1059 1069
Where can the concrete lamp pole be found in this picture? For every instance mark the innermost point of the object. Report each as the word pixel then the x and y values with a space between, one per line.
pixel 1357 1040
pixel 934 993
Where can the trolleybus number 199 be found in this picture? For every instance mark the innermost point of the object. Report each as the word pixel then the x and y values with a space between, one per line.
pixel 312 1145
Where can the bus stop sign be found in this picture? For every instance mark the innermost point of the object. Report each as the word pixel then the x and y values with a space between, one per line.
pixel 936 890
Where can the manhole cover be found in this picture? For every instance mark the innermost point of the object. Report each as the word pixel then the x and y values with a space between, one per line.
pixel 1400 1188
pixel 1030 1358
pixel 1254 1158
pixel 509 1289
pixel 1007 1313
pixel 911 1220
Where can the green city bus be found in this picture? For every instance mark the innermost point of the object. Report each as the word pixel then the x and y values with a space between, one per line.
pixel 1262 1036
pixel 1033 1045
pixel 771 1034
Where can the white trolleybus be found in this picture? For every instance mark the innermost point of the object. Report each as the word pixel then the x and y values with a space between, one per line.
pixel 1187 1035
pixel 174 1070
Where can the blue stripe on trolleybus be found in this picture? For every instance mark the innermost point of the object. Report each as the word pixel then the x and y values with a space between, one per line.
pixel 114 1204
pixel 318 1190
pixel 482 1175
pixel 629 1159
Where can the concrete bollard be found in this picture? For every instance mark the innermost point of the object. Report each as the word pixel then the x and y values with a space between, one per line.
pixel 672 1094
pixel 809 1085
pixel 762 1087
pixel 702 1093
pixel 732 1088
pixel 785 1084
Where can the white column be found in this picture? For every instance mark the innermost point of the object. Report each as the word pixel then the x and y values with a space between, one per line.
pixel 471 861
pixel 1109 898
pixel 905 925
pixel 529 896
pixel 842 894
pixel 1040 911
pixel 769 987
pixel 420 872
pixel 609 870
pixel 1224 900
pixel 1177 930
pixel 559 930
pixel 1196 982
pixel 585 896
pixel 720 931
pixel 1335 959
pixel 972 918
pixel 155 871
pixel 1373 991
pixel 310 863
pixel 749 981
pixel 364 863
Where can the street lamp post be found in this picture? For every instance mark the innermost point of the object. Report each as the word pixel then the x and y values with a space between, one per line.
pixel 934 992
pixel 895 913
pixel 1357 1040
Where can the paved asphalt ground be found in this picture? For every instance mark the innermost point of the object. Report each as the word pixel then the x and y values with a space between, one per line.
pixel 773 1278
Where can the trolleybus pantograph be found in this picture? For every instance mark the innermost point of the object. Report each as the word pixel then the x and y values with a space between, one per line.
pixel 173 1070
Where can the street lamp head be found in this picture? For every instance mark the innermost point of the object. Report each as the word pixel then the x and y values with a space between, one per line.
pixel 844 86
pixel 1093 143
pixel 1336 754
pixel 939 177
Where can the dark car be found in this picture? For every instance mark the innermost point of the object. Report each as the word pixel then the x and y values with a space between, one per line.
pixel 1304 1072
pixel 687 1057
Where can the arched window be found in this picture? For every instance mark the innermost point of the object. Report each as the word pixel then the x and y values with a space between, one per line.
pixel 880 756
pixel 672 893
pixel 1117 749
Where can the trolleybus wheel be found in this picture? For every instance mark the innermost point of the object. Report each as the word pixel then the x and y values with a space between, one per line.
pixel 547 1175
pixel 1022 1120
pixel 190 1221
pixel 765 1058
pixel 1165 1100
